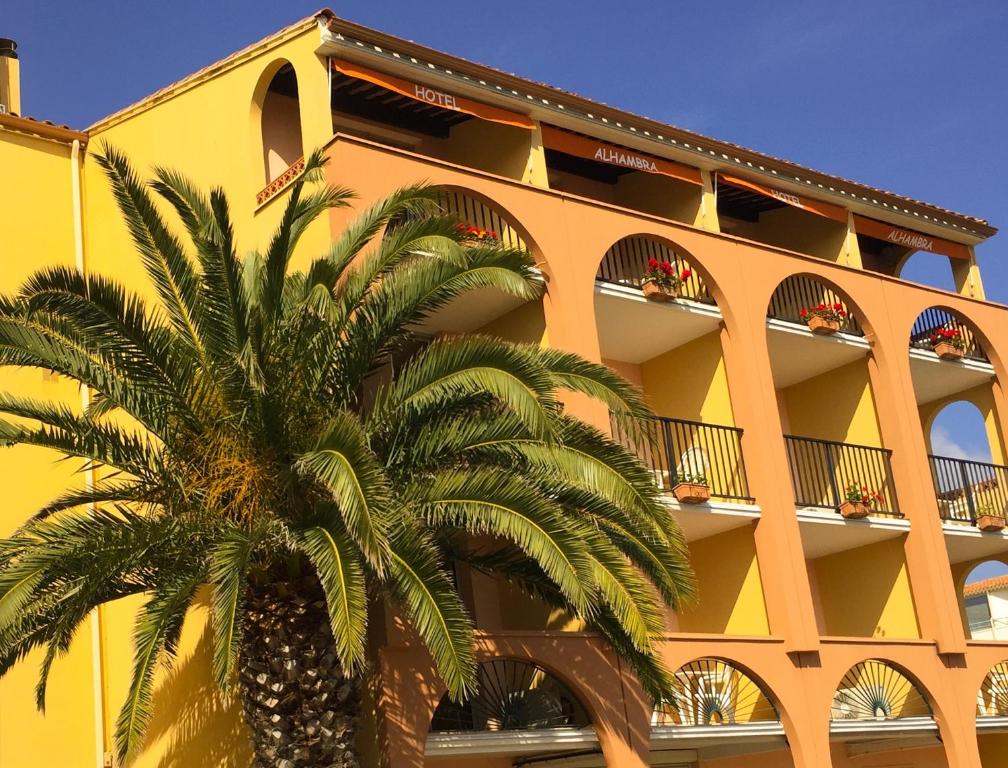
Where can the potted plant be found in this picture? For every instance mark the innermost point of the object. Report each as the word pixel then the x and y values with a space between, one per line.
pixel 948 343
pixel 476 234
pixel 859 501
pixel 661 282
pixel 989 520
pixel 691 488
pixel 824 319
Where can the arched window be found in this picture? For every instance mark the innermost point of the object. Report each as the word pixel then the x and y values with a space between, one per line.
pixel 712 691
pixel 513 695
pixel 281 123
pixel 874 690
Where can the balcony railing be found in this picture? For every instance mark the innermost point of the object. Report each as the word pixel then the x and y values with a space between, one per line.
pixel 626 262
pixel 823 470
pixel 989 629
pixel 934 319
pixel 676 447
pixel 966 489
pixel 797 293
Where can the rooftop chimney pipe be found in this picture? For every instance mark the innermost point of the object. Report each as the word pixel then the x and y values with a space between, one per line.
pixel 10 78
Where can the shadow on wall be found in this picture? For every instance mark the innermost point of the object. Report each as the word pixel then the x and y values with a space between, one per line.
pixel 193 724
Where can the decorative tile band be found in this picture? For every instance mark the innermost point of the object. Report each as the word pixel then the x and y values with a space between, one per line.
pixel 281 181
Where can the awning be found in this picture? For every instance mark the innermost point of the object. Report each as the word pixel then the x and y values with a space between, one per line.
pixel 908 238
pixel 429 95
pixel 834 212
pixel 591 149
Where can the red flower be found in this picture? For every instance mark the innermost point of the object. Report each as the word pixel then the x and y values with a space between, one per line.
pixel 821 306
pixel 838 306
pixel 652 263
pixel 686 274
pixel 666 268
pixel 841 313
pixel 493 234
pixel 803 313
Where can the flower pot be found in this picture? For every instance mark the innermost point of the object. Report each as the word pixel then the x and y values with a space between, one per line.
pixel 691 493
pixel 990 523
pixel 947 351
pixel 654 292
pixel 854 510
pixel 822 326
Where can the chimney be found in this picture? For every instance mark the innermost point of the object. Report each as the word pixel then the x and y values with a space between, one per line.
pixel 10 78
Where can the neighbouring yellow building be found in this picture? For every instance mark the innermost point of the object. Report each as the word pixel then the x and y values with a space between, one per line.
pixel 794 369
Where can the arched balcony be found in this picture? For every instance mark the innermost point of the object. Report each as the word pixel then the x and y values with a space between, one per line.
pixel 488 310
pixel 520 711
pixel 280 123
pixel 719 711
pixel 877 708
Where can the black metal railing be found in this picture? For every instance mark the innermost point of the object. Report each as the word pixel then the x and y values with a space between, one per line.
pixel 673 448
pixel 934 319
pixel 626 262
pixel 966 489
pixel 799 292
pixel 822 471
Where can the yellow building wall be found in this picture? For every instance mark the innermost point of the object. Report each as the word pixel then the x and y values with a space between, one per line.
pixel 36 209
pixel 689 382
pixel 836 405
pixel 730 598
pixel 865 592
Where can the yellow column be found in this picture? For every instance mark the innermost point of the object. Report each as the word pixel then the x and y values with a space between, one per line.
pixel 967 276
pixel 535 169
pixel 851 249
pixel 708 218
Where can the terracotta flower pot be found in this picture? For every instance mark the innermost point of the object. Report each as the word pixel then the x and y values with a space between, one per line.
pixel 654 292
pixel 822 326
pixel 691 493
pixel 990 523
pixel 947 351
pixel 854 510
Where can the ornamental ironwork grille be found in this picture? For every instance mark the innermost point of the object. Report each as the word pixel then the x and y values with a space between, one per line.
pixel 932 320
pixel 474 212
pixel 992 700
pixel 512 696
pixel 798 292
pixel 874 690
pixel 714 692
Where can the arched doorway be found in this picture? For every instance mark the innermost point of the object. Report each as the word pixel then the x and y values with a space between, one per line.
pixel 280 123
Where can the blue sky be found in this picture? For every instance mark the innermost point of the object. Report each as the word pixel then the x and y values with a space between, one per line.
pixel 906 96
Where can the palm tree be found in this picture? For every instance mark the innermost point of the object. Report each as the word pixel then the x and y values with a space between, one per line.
pixel 290 441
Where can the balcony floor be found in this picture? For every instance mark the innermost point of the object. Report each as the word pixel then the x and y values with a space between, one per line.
pixel 798 354
pixel 633 329
pixel 935 379
pixel 698 521
pixel 966 542
pixel 826 532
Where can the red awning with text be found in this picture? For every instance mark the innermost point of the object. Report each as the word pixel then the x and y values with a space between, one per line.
pixel 908 238
pixel 834 212
pixel 585 147
pixel 429 95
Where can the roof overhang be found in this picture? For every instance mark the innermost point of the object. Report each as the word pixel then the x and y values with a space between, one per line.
pixel 567 110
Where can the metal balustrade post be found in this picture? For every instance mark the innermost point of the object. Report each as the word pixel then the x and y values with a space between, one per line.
pixel 831 474
pixel 967 490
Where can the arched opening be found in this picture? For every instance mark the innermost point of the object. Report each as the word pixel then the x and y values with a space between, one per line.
pixel 925 268
pixel 487 310
pixel 992 716
pixel 659 326
pixel 713 696
pixel 520 710
pixel 280 115
pixel 984 601
pixel 879 710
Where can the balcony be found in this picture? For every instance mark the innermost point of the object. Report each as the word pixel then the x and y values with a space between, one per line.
pixel 989 629
pixel 966 490
pixel 797 354
pixel 821 473
pixel 673 448
pixel 935 378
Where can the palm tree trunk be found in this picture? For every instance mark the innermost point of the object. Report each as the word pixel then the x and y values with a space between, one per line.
pixel 300 708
